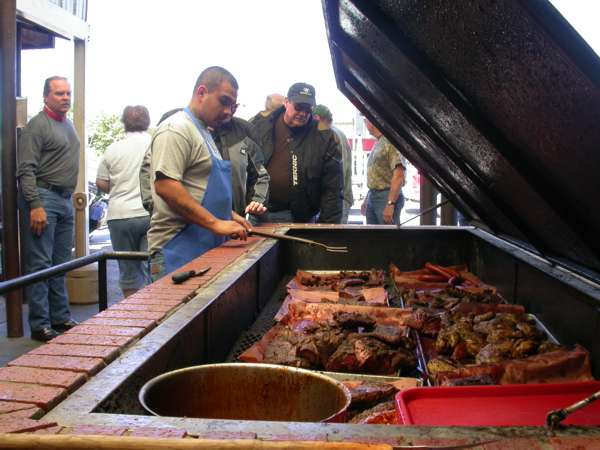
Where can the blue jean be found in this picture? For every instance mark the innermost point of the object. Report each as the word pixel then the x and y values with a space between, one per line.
pixel 157 266
pixel 129 235
pixel 48 303
pixel 347 206
pixel 377 200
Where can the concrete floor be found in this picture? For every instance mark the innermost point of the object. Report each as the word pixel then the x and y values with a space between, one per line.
pixel 11 348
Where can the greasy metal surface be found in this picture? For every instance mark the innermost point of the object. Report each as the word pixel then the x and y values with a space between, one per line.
pixel 378 246
pixel 247 392
pixel 496 101
pixel 269 274
pixel 263 323
pixel 571 316
pixel 233 312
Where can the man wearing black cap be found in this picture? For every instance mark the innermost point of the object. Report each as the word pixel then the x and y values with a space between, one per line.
pixel 303 160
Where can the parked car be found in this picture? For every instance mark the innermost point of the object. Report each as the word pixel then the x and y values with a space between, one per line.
pixel 97 207
pixel 412 187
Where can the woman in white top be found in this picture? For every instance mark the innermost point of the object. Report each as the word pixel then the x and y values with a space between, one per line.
pixel 128 221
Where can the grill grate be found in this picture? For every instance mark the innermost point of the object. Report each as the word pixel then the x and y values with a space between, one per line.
pixel 263 323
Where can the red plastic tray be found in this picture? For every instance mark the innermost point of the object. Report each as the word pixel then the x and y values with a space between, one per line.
pixel 510 405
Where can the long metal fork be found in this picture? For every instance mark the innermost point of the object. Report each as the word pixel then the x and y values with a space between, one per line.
pixel 329 248
pixel 554 418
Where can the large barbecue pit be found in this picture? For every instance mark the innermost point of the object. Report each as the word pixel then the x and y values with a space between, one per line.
pixel 236 308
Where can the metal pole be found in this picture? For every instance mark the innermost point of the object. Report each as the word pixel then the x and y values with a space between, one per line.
pixel 428 210
pixel 8 146
pixel 102 290
pixel 60 269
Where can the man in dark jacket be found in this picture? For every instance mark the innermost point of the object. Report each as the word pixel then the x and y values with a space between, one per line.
pixel 303 161
pixel 237 143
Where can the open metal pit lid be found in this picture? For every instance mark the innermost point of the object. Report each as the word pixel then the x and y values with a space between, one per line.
pixel 497 102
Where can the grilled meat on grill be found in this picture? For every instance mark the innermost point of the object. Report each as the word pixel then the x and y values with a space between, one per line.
pixel 436 365
pixel 320 345
pixel 283 351
pixel 494 353
pixel 352 321
pixel 390 335
pixel 364 354
pixel 343 359
pixel 367 393
pixel 523 347
pixel 475 380
pixel 383 413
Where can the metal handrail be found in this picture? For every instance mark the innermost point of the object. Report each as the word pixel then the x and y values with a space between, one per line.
pixel 100 257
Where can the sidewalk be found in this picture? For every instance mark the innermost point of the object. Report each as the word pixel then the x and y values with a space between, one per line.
pixel 11 348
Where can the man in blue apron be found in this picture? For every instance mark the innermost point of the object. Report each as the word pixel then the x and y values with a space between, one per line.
pixel 191 182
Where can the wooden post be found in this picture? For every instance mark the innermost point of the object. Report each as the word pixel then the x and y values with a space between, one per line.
pixel 80 196
pixel 448 213
pixel 82 282
pixel 428 194
pixel 8 148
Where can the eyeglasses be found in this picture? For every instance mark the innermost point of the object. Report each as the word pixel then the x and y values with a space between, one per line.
pixel 227 102
pixel 303 107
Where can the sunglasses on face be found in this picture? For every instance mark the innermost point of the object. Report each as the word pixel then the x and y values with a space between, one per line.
pixel 303 107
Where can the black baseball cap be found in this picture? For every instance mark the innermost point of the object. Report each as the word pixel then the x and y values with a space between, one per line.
pixel 302 93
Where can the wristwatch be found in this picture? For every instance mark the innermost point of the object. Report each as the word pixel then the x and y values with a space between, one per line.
pixel 390 203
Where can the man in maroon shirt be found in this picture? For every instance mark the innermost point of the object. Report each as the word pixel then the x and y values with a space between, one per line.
pixel 47 170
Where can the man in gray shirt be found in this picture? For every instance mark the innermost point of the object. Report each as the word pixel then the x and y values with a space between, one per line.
pixel 47 172
pixel 236 142
pixel 191 183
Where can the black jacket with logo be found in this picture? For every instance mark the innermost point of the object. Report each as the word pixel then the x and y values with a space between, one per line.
pixel 237 143
pixel 315 167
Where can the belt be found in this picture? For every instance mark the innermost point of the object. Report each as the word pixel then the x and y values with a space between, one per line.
pixel 63 192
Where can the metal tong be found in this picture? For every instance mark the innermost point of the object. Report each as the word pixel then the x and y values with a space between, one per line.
pixel 554 418
pixel 329 248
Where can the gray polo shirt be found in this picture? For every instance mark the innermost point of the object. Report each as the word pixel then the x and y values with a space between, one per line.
pixel 179 152
pixel 48 151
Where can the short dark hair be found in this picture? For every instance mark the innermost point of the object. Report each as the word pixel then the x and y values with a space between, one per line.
pixel 213 76
pixel 135 118
pixel 50 80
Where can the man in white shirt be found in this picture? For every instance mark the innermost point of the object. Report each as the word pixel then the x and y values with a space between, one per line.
pixel 128 221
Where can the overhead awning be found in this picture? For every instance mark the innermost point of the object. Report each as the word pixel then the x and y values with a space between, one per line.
pixel 43 17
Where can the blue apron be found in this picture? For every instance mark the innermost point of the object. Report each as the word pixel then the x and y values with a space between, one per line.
pixel 193 240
